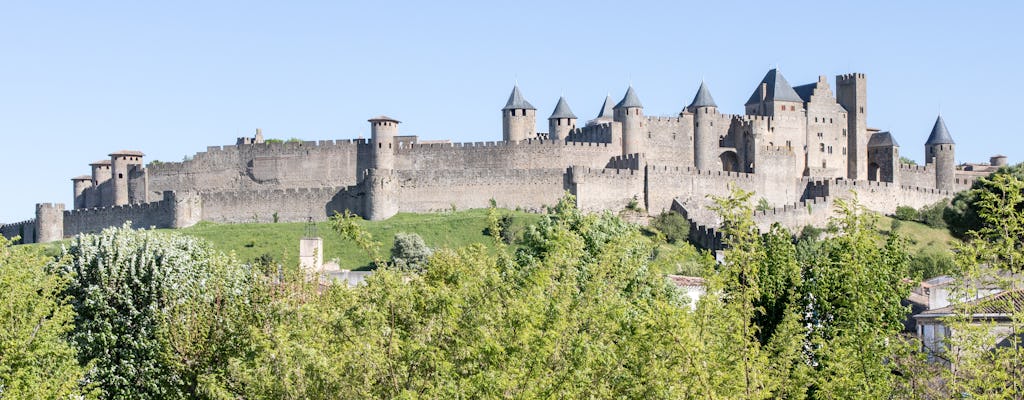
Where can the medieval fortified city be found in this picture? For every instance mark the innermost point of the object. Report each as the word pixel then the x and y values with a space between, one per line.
pixel 797 147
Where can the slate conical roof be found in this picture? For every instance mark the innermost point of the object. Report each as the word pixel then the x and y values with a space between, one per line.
pixel 778 89
pixel 630 99
pixel 882 139
pixel 940 135
pixel 607 110
pixel 517 102
pixel 703 97
pixel 562 110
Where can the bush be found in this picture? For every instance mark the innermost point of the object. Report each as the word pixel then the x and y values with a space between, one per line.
pixel 672 225
pixel 929 264
pixel 157 314
pixel 933 215
pixel 904 213
pixel 410 252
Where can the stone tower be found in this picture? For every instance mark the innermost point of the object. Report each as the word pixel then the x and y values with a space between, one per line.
pixel 82 185
pixel 101 190
pixel 562 121
pixel 518 118
pixel 607 113
pixel 121 165
pixel 630 113
pixel 49 222
pixel 705 142
pixel 940 150
pixel 383 130
pixel 883 158
pixel 852 94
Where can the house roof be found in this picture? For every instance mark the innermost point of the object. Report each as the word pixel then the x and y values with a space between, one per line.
pixel 516 101
pixel 776 89
pixel 999 304
pixel 82 178
pixel 127 153
pixel 703 97
pixel 939 135
pixel 805 91
pixel 630 99
pixel 562 110
pixel 882 139
pixel 101 162
pixel 607 110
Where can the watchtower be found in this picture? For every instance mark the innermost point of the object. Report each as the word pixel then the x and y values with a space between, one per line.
pixel 705 142
pixel 562 121
pixel 383 130
pixel 630 113
pixel 518 118
pixel 940 150
pixel 851 93
pixel 121 165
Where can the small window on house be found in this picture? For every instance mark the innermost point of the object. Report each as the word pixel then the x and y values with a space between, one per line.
pixel 792 108
pixel 789 143
pixel 120 176
pixel 815 119
pixel 830 120
pixel 824 164
pixel 829 149
pixel 862 110
pixel 844 151
pixel 844 132
pixel 821 146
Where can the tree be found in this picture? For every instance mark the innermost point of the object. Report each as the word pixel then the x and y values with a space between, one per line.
pixel 985 364
pixel 409 252
pixel 962 214
pixel 158 315
pixel 671 224
pixel 36 360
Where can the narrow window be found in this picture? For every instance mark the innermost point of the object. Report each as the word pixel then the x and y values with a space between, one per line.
pixel 821 146
pixel 792 108
pixel 862 110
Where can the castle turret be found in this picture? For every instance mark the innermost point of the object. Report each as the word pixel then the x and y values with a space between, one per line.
pixel 49 222
pixel 998 160
pixel 630 113
pixel 940 150
pixel 562 121
pixel 518 118
pixel 82 186
pixel 705 141
pixel 883 158
pixel 851 93
pixel 101 185
pixel 607 113
pixel 383 130
pixel 121 165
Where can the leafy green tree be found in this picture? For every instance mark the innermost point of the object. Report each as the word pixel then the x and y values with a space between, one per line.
pixel 36 360
pixel 158 315
pixel 853 291
pixel 905 213
pixel 409 252
pixel 962 214
pixel 985 364
pixel 932 215
pixel 672 224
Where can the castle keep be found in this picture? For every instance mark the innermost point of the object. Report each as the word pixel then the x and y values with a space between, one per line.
pixel 798 148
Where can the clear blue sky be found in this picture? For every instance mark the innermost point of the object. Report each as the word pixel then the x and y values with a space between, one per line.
pixel 81 79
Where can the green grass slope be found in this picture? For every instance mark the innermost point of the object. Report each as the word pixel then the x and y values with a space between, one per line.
pixel 281 240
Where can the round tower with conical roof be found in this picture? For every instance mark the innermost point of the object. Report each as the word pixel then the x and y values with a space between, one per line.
pixel 518 118
pixel 562 121
pixel 940 151
pixel 705 141
pixel 630 113
pixel 383 130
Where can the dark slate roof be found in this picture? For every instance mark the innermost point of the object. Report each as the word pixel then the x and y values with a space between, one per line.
pixel 562 110
pixel 778 89
pixel 383 118
pixel 940 135
pixel 517 102
pixel 607 109
pixel 703 97
pixel 630 99
pixel 882 139
pixel 805 91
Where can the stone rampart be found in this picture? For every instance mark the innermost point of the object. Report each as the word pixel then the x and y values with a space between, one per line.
pixel 288 205
pixel 527 154
pixel 916 175
pixel 434 190
pixel 599 189
pixel 159 214
pixel 26 230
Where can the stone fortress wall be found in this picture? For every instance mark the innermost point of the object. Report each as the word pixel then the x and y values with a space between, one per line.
pixel 795 148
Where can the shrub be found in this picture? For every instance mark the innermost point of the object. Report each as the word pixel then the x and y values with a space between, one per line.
pixel 672 225
pixel 932 215
pixel 410 253
pixel 905 213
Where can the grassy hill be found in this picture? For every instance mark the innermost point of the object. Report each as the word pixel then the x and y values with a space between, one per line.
pixel 281 240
